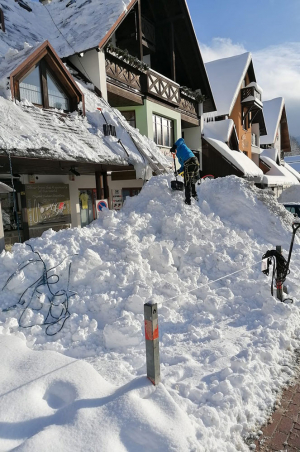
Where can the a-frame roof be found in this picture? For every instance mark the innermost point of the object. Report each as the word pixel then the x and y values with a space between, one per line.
pixel 225 77
pixel 272 112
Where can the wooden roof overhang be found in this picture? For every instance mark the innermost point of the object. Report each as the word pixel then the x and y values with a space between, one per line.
pixel 34 165
pixel 285 136
pixel 63 76
pixel 259 118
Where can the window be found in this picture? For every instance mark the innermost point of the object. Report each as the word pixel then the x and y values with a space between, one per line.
pixel 163 134
pixel 130 117
pixel 57 98
pixel 130 192
pixel 48 94
pixel 30 87
pixel 254 139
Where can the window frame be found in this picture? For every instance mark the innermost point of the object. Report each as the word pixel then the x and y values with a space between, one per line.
pixel 60 73
pixel 133 113
pixel 43 68
pixel 155 133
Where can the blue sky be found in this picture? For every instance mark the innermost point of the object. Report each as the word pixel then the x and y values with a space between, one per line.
pixel 254 24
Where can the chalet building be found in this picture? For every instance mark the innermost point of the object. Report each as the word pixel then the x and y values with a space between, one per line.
pixel 142 57
pixel 231 135
pixel 55 151
pixel 149 66
pixel 278 174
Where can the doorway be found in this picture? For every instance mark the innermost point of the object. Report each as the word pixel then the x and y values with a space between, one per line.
pixel 87 202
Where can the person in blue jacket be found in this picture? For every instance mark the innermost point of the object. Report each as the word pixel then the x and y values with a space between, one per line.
pixel 189 165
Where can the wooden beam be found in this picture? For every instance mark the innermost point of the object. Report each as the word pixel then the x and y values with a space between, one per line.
pixel 139 31
pixel 173 60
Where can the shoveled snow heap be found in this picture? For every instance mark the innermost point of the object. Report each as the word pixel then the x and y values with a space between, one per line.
pixel 226 348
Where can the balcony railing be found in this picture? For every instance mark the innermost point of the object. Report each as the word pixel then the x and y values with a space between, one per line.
pixel 122 72
pixel 251 92
pixel 149 83
pixel 159 86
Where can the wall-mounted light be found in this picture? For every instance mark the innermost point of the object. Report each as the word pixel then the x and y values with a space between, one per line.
pixel 81 54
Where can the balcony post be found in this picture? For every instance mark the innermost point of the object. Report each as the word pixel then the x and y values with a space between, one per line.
pixel 173 61
pixel 139 31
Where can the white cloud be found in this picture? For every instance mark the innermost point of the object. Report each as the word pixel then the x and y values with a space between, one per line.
pixel 277 70
pixel 220 48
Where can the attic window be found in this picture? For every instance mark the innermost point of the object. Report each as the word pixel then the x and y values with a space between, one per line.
pixel 40 87
pixel 2 24
pixel 24 5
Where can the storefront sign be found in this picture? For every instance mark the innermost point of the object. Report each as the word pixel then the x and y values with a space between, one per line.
pixel 48 204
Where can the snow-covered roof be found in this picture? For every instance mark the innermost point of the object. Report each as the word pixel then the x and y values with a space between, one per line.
pixel 278 174
pixel 272 113
pixel 225 77
pixel 271 153
pixel 5 188
pixel 82 25
pixel 28 131
pixel 237 158
pixel 292 170
pixel 218 130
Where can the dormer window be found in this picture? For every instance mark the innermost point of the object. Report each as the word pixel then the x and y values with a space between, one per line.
pixel 41 88
pixel 43 80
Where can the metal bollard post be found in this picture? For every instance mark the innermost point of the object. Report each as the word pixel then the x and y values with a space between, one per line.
pixel 152 342
pixel 279 286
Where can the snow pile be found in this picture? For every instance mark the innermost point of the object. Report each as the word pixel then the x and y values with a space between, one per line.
pixel 226 347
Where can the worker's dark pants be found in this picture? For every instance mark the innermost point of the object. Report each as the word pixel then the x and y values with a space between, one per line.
pixel 191 174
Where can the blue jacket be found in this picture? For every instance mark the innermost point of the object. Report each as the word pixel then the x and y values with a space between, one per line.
pixel 183 153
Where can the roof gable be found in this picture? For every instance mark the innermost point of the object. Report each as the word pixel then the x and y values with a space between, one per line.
pixel 61 73
pixel 226 76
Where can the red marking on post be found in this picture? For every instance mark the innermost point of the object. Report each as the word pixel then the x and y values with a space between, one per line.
pixel 279 285
pixel 150 335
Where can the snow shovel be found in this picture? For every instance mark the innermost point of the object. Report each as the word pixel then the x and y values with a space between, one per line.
pixel 176 184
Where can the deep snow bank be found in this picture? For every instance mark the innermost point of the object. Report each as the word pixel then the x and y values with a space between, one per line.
pixel 226 348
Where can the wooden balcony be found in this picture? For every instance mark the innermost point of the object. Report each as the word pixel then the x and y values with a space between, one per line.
pixel 251 97
pixel 163 88
pixel 128 85
pixel 123 73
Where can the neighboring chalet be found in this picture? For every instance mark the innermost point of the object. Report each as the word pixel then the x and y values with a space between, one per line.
pixel 54 140
pixel 231 135
pixel 278 175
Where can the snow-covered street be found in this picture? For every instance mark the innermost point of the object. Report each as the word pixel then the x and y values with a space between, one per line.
pixel 226 347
